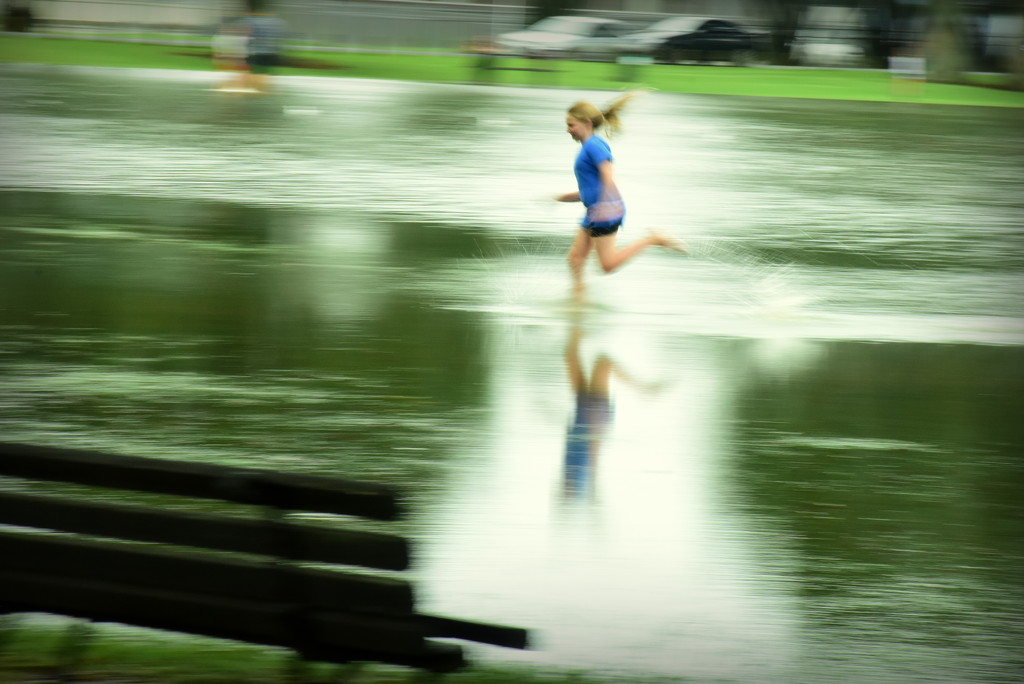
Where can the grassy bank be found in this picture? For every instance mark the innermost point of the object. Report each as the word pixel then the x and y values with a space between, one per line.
pixel 719 80
pixel 112 654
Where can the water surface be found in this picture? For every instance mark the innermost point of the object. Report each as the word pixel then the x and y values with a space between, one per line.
pixel 809 466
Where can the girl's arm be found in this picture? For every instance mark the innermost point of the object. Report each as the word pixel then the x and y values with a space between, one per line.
pixel 609 205
pixel 609 192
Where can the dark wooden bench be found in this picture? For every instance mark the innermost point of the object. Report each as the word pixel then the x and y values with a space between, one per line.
pixel 269 578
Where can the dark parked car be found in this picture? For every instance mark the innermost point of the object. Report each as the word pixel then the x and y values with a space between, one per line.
pixel 712 40
pixel 566 37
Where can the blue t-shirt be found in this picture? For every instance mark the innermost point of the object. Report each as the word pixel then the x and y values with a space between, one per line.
pixel 602 212
pixel 592 152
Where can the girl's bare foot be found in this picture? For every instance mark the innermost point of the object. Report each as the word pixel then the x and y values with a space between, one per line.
pixel 668 241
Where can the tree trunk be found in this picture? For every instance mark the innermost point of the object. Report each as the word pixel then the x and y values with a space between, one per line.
pixel 945 45
pixel 1016 64
pixel 783 16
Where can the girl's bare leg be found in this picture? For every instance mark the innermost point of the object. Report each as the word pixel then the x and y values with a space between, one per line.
pixel 600 376
pixel 577 257
pixel 613 258
pixel 573 365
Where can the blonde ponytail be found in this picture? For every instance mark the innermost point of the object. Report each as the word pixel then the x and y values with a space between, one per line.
pixel 611 113
pixel 608 118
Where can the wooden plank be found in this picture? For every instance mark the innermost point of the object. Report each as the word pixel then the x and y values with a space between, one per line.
pixel 146 568
pixel 331 616
pixel 208 481
pixel 258 621
pixel 481 632
pixel 212 531
pixel 74 559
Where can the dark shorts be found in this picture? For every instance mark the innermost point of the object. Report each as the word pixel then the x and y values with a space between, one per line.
pixel 601 229
pixel 262 63
pixel 613 214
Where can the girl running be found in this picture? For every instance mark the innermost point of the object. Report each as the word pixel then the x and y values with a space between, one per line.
pixel 595 180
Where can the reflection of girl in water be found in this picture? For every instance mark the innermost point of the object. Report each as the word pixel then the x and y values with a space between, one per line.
pixel 593 416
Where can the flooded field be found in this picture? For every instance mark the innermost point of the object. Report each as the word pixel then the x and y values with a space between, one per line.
pixel 808 467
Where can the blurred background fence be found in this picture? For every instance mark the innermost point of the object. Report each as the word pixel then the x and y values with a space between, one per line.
pixel 370 23
pixel 374 23
pixel 988 33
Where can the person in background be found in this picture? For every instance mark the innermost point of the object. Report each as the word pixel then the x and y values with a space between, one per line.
pixel 230 49
pixel 265 31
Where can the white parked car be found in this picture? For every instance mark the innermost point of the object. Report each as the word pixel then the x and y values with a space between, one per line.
pixel 566 37
pixel 830 36
pixel 823 48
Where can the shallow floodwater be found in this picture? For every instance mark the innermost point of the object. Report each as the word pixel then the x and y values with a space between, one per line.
pixel 809 466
